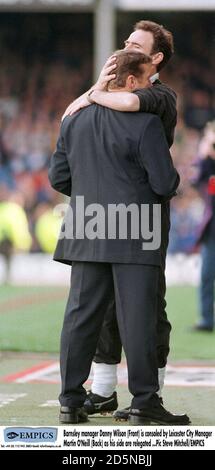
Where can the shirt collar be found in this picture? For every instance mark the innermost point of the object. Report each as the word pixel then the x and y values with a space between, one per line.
pixel 154 77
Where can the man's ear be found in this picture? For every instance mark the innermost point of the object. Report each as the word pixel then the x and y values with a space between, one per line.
pixel 131 82
pixel 157 58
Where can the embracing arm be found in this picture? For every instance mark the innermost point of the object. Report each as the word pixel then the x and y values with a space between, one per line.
pixel 148 100
pixel 117 100
pixel 120 101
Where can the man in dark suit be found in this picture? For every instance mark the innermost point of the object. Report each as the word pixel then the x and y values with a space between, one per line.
pixel 112 159
pixel 204 182
pixel 155 41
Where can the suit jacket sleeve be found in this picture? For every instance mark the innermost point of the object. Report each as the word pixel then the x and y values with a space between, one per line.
pixel 202 174
pixel 59 171
pixel 155 158
pixel 160 100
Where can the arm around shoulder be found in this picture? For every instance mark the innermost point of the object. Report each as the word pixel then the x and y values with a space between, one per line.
pixel 117 100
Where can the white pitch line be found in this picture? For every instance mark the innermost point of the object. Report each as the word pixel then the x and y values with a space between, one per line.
pixel 39 373
pixel 185 376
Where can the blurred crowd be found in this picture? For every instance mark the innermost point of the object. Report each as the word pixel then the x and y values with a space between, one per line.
pixel 40 77
pixel 41 72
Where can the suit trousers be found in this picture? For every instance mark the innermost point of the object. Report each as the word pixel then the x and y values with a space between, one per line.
pixel 109 348
pixel 207 285
pixel 92 285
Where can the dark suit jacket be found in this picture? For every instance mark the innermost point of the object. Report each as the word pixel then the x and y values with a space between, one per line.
pixel 111 157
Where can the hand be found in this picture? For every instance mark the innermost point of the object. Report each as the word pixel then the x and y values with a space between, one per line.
pixel 106 74
pixel 101 84
pixel 207 144
pixel 76 106
pixel 205 148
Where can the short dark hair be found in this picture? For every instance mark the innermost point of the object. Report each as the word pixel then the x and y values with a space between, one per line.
pixel 128 63
pixel 163 40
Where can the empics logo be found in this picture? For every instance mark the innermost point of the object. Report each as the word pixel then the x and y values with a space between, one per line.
pixel 30 434
pixel 12 435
